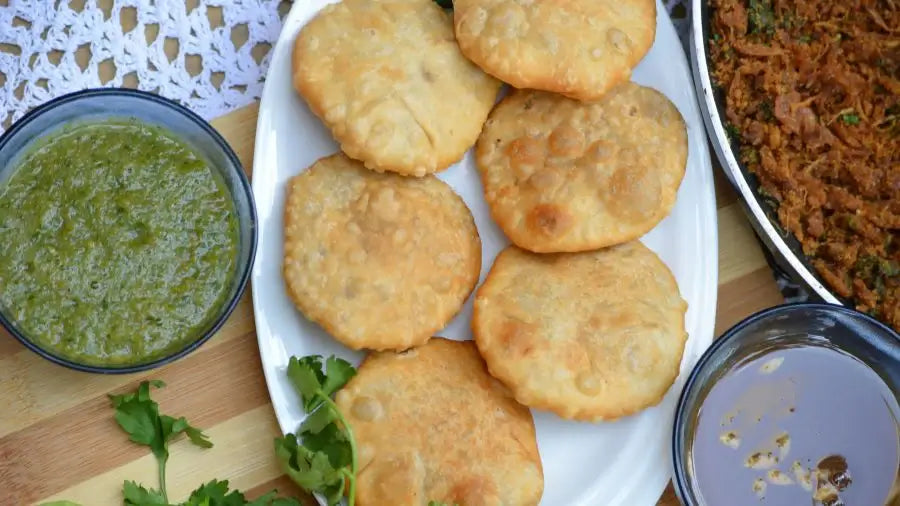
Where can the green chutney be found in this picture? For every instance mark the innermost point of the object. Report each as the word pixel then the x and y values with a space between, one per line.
pixel 119 243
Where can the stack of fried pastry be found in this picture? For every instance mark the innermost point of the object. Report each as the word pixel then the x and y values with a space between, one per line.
pixel 576 162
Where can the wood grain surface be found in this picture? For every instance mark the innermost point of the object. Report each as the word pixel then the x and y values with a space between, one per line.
pixel 58 439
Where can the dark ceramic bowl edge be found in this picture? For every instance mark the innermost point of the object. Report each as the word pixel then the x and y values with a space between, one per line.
pixel 251 217
pixel 679 478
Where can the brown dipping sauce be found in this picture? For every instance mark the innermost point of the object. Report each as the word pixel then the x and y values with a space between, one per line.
pixel 799 425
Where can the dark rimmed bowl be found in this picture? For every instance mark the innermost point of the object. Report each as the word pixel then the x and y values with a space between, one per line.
pixel 848 330
pixel 110 103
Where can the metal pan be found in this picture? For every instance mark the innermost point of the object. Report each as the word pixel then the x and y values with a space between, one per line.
pixel 762 215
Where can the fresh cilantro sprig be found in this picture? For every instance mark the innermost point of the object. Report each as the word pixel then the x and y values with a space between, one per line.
pixel 138 415
pixel 216 493
pixel 321 457
pixel 136 495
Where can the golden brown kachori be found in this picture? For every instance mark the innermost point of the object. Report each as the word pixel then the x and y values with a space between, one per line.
pixel 380 261
pixel 562 176
pixel 590 336
pixel 579 48
pixel 389 81
pixel 431 424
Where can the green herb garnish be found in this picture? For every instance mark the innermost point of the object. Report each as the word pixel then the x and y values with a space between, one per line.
pixel 850 118
pixel 761 17
pixel 138 415
pixel 136 495
pixel 750 155
pixel 321 457
pixel 732 132
pixel 216 493
pixel 767 111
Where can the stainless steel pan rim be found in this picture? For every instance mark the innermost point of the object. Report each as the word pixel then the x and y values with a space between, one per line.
pixel 719 139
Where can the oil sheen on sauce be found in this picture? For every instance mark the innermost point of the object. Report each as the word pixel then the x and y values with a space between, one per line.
pixel 799 425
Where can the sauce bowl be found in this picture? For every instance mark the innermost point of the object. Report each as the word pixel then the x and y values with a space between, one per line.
pixel 795 325
pixel 203 139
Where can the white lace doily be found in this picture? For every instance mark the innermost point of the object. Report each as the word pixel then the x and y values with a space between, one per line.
pixel 210 55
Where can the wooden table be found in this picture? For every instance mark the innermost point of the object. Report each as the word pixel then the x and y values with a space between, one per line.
pixel 58 439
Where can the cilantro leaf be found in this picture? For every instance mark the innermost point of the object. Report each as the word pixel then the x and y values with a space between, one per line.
pixel 197 436
pixel 307 377
pixel 335 492
pixel 172 427
pixel 309 469
pixel 138 415
pixel 333 442
pixel 136 495
pixel 317 421
pixel 267 500
pixel 215 493
pixel 139 420
pixel 337 373
pixel 321 456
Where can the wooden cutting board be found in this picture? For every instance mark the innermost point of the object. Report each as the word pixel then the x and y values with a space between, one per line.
pixel 58 439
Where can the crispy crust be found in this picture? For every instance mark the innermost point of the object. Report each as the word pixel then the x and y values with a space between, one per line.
pixel 579 48
pixel 388 79
pixel 432 424
pixel 380 261
pixel 590 336
pixel 564 176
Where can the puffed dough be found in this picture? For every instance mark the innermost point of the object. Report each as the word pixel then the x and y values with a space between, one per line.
pixel 579 48
pixel 432 425
pixel 380 261
pixel 590 336
pixel 562 176
pixel 389 81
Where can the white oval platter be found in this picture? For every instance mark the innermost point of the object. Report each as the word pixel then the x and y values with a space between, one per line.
pixel 627 462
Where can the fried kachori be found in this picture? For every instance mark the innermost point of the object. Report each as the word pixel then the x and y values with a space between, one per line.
pixel 590 336
pixel 432 425
pixel 579 48
pixel 380 261
pixel 561 175
pixel 389 81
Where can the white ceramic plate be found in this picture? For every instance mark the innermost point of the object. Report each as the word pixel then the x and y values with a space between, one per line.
pixel 622 463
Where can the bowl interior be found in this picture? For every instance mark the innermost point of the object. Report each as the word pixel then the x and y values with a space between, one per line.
pixel 852 332
pixel 98 105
